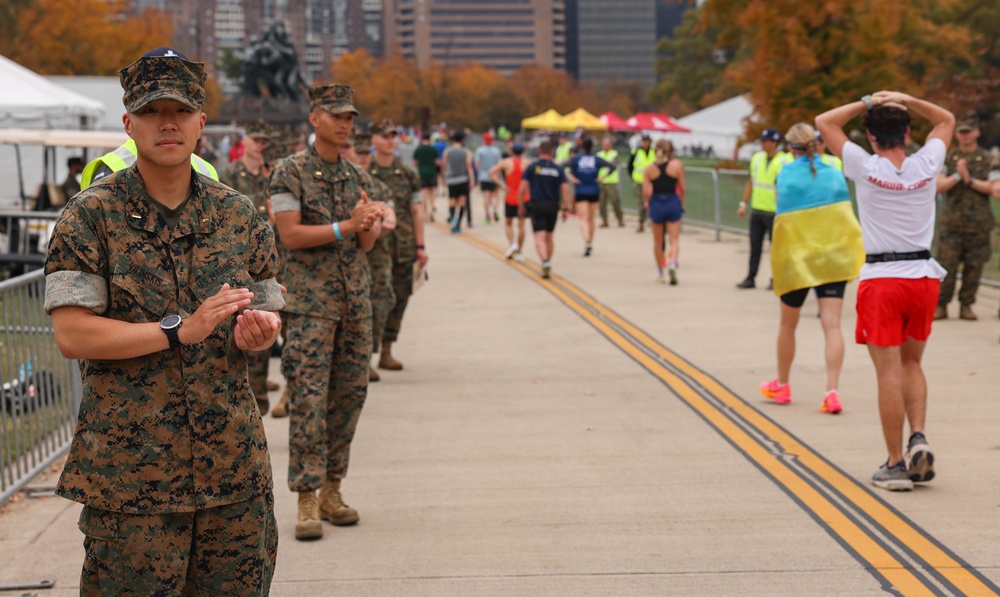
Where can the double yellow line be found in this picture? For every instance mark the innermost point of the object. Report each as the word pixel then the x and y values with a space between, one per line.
pixel 892 548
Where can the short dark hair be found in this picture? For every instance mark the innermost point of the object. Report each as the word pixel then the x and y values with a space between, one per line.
pixel 458 137
pixel 74 161
pixel 588 144
pixel 545 148
pixel 888 125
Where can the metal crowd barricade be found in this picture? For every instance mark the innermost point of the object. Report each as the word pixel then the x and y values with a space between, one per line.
pixel 24 239
pixel 41 389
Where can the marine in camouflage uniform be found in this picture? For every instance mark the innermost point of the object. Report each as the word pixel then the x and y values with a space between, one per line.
pixel 169 457
pixel 248 175
pixel 326 226
pixel 405 244
pixel 380 256
pixel 966 219
pixel 282 144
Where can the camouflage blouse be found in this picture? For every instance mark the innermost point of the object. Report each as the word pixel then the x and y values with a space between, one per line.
pixel 176 430
pixel 329 281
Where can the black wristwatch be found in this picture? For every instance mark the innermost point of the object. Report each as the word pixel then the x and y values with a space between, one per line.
pixel 170 326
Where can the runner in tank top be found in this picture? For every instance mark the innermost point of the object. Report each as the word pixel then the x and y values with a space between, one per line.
pixel 663 192
pixel 508 174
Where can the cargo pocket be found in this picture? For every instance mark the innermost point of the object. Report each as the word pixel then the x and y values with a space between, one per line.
pixel 101 568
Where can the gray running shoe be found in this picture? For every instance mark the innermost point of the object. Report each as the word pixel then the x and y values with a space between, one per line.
pixel 546 271
pixel 919 459
pixel 893 478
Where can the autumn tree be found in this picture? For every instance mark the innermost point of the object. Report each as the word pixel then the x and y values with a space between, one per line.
pixel 81 37
pixel 803 58
pixel 382 88
pixel 543 88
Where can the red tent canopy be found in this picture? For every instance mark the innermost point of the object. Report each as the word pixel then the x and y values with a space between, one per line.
pixel 647 121
pixel 615 123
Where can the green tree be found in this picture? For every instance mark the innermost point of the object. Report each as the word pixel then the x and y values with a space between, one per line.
pixel 690 67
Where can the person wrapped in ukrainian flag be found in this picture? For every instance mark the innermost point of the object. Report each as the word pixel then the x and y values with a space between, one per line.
pixel 816 245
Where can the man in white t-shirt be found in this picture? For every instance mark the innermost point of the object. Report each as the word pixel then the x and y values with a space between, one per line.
pixel 899 281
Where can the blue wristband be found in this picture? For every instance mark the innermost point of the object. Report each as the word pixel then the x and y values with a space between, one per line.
pixel 336 231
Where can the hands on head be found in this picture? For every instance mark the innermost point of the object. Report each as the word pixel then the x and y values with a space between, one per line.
pixel 893 99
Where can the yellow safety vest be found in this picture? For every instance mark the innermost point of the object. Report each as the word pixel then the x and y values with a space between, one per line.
pixel 563 151
pixel 642 159
pixel 125 156
pixel 764 176
pixel 609 156
pixel 832 160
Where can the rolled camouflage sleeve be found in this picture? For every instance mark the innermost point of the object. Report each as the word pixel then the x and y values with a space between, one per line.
pixel 285 189
pixel 263 265
pixel 76 264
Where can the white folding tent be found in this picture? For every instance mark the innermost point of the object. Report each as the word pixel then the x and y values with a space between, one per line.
pixel 30 100
pixel 720 126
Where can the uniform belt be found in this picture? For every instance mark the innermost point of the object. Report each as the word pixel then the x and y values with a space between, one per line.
pixel 884 257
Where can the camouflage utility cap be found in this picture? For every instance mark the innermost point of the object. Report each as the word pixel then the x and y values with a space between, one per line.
pixel 383 127
pixel 336 99
pixel 362 142
pixel 149 79
pixel 967 123
pixel 259 130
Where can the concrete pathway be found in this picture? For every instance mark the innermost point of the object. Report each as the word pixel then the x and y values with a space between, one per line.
pixel 534 446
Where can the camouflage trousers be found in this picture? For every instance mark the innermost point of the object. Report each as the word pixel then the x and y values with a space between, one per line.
pixel 257 365
pixel 227 550
pixel 610 194
pixel 402 287
pixel 326 365
pixel 383 296
pixel 971 251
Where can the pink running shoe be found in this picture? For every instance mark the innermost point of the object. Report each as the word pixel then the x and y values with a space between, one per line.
pixel 831 403
pixel 779 392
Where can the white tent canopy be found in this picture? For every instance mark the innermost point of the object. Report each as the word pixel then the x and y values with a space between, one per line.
pixel 30 100
pixel 720 127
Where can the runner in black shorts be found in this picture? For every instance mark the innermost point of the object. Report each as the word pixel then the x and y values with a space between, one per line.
pixel 796 298
pixel 547 185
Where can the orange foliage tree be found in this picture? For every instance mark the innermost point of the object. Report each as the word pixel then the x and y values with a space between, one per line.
pixel 802 58
pixel 463 95
pixel 82 37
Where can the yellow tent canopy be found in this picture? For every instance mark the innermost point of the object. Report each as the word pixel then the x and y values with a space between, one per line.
pixel 581 118
pixel 546 120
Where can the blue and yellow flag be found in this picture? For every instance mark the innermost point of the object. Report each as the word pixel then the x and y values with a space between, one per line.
pixel 816 238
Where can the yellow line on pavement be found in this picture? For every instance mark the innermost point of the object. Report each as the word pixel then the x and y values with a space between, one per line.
pixel 830 513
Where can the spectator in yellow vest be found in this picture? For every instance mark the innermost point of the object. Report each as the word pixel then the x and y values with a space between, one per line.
pixel 762 198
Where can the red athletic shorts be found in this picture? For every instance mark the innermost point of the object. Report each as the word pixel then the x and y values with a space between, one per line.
pixel 890 310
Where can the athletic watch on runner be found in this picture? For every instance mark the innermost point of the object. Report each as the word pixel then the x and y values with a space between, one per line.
pixel 170 325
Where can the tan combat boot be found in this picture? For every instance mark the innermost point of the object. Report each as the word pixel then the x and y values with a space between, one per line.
pixel 280 409
pixel 332 507
pixel 941 313
pixel 308 526
pixel 272 386
pixel 373 374
pixel 386 361
pixel 966 313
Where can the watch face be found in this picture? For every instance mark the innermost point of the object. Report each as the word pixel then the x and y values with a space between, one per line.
pixel 170 322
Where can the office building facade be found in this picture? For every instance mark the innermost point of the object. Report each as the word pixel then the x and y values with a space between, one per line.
pixel 503 35
pixel 611 40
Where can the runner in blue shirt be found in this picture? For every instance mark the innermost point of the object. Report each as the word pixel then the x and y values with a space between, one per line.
pixel 547 184
pixel 584 170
